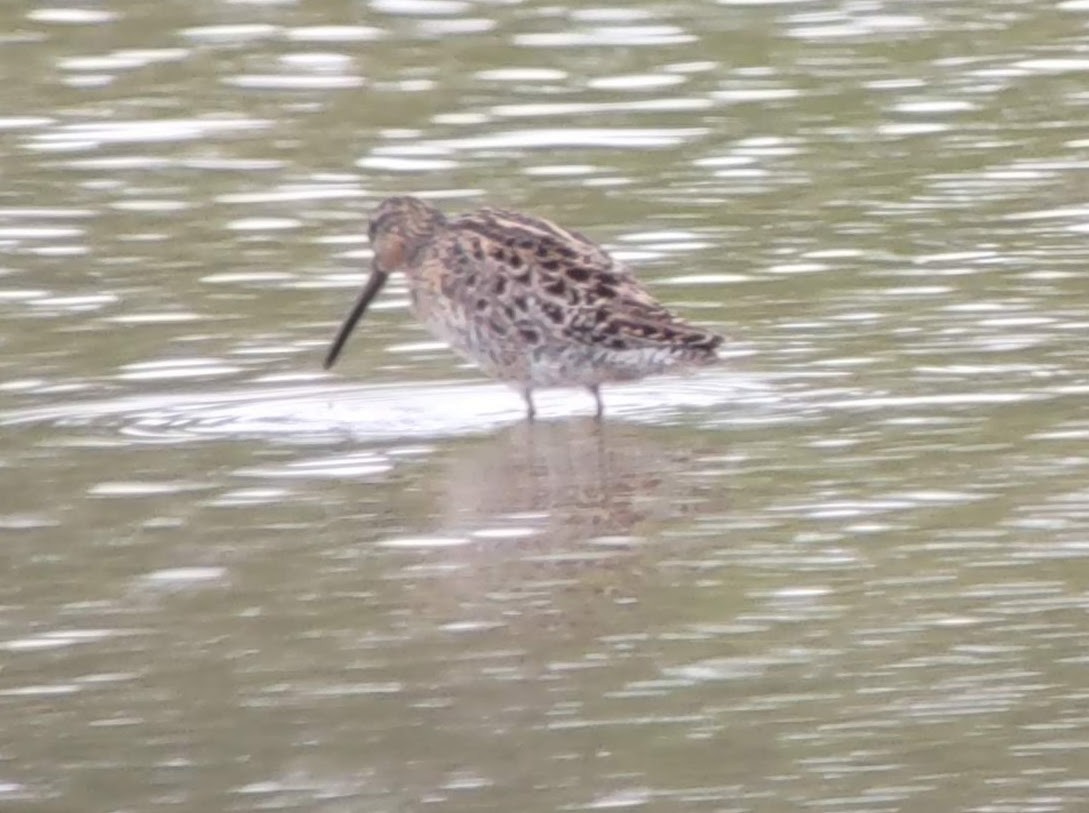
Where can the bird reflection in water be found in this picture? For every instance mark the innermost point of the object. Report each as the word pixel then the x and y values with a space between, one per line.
pixel 555 511
pixel 560 574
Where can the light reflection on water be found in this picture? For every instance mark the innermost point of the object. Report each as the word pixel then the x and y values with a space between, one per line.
pixel 845 570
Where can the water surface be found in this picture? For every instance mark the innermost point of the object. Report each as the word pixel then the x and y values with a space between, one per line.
pixel 845 571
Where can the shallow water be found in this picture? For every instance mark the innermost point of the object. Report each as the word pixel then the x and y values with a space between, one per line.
pixel 848 570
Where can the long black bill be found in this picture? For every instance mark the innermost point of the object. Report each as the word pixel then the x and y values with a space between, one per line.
pixel 373 286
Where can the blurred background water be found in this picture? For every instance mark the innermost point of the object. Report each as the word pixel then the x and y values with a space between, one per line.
pixel 845 572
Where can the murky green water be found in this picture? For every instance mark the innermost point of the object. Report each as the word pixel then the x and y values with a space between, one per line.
pixel 847 572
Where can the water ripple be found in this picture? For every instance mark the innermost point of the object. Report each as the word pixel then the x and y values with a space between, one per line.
pixel 316 414
pixel 82 137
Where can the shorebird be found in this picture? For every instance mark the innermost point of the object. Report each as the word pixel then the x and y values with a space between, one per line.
pixel 530 303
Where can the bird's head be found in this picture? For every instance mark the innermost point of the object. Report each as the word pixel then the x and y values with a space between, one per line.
pixel 400 227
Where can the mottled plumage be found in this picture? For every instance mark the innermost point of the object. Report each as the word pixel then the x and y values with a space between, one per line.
pixel 529 302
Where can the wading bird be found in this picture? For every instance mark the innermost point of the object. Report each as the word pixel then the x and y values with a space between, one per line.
pixel 530 303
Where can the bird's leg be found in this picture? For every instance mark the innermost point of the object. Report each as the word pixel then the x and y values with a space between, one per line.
pixel 527 394
pixel 595 389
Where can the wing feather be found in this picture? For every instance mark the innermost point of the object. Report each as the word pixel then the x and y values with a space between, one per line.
pixel 534 276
